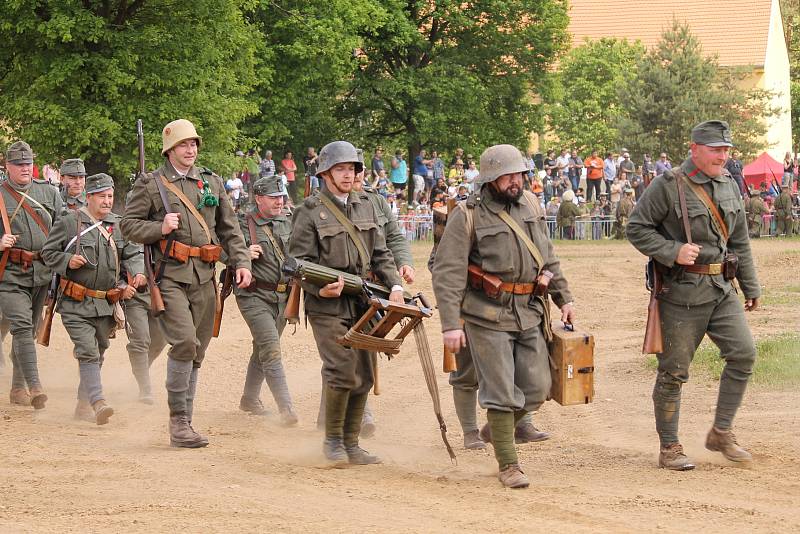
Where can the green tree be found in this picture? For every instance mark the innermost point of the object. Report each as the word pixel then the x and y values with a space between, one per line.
pixel 790 10
pixel 76 74
pixel 585 109
pixel 676 87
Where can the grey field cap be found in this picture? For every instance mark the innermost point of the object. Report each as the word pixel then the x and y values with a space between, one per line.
pixel 338 152
pixel 73 167
pixel 712 133
pixel 270 186
pixel 99 182
pixel 498 160
pixel 20 153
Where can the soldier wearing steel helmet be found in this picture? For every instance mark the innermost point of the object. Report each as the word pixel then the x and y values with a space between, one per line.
pixel 507 331
pixel 200 224
pixel 73 178
pixel 318 236
pixel 698 295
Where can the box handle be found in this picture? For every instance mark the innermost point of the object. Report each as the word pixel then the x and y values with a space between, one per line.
pixel 586 370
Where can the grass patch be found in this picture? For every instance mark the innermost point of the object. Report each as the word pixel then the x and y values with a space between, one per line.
pixel 783 296
pixel 777 361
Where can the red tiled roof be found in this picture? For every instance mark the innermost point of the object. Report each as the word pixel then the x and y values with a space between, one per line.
pixel 735 30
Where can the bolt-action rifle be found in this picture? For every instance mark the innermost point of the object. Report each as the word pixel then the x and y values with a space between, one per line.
pixel 156 301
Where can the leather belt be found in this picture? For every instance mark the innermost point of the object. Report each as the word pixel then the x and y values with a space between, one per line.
pixel 518 288
pixel 182 252
pixel 78 292
pixel 23 257
pixel 711 269
pixel 257 284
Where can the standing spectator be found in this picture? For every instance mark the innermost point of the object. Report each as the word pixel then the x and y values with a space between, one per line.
pixel 420 174
pixel 735 167
pixel 290 168
pixel 531 165
pixel 235 188
pixel 662 164
pixel 616 193
pixel 51 174
pixel 550 175
pixel 594 175
pixel 626 168
pixel 310 168
pixel 609 171
pixel 788 170
pixel 267 166
pixel 575 169
pixel 382 184
pixel 437 166
pixel 470 175
pixel 457 172
pixel 459 155
pixel 377 162
pixel 648 171
pixel 562 162
pixel 399 173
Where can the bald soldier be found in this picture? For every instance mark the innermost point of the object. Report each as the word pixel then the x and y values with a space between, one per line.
pixel 188 233
pixel 87 250
pixel 500 233
pixel 73 179
pixel 29 208
pixel 698 267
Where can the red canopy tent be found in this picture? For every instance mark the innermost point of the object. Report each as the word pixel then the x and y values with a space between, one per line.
pixel 765 168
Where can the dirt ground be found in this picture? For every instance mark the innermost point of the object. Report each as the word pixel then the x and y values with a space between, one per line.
pixel 597 474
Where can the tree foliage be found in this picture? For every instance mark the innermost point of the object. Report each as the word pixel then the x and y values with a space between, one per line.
pixel 586 105
pixel 678 87
pixel 76 74
pixel 790 9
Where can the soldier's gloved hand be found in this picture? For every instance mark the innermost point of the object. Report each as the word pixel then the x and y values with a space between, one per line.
pixel 255 251
pixel 568 313
pixel 751 304
pixel 688 254
pixel 7 241
pixel 243 277
pixel 76 261
pixel 406 272
pixel 333 290
pixel 454 340
pixel 138 281
pixel 170 223
pixel 396 297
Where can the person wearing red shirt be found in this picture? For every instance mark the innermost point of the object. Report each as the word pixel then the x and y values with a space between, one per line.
pixel 594 174
pixel 290 167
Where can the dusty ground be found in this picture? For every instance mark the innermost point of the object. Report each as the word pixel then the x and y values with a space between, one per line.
pixel 597 473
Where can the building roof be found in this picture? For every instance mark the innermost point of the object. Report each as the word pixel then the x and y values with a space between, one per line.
pixel 735 30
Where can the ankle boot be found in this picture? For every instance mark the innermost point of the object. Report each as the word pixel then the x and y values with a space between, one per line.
pixel 102 412
pixel 20 397
pixel 181 434
pixel 84 411
pixel 725 442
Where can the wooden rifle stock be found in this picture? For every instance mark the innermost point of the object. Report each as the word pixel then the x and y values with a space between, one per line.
pixel 448 361
pixel 653 336
pixel 46 322
pixel 292 311
pixel 307 191
pixel 156 302
pixel 223 291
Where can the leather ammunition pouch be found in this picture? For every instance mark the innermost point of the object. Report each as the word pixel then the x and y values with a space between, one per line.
pixel 730 266
pixel 182 252
pixel 492 286
pixel 257 284
pixel 78 292
pixel 22 257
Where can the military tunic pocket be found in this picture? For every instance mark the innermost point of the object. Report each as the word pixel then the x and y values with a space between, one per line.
pixel 699 221
pixel 494 247
pixel 730 212
pixel 333 246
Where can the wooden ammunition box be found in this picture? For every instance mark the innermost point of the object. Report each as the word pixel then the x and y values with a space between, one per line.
pixel 571 366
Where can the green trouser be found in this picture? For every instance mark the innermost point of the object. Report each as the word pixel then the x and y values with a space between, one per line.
pixel 266 323
pixel 502 425
pixel 187 324
pixel 342 367
pixel 22 307
pixel 783 226
pixel 4 326
pixel 90 335
pixel 145 341
pixel 755 228
pixel 683 329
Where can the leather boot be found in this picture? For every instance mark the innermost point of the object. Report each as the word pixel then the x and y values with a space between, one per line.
pixel 102 412
pixel 334 451
pixel 358 456
pixel 84 411
pixel 486 433
pixel 20 397
pixel 288 417
pixel 252 406
pixel 473 442
pixel 527 433
pixel 38 398
pixel 513 477
pixel 672 457
pixel 725 442
pixel 181 434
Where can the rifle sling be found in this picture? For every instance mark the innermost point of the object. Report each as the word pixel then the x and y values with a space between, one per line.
pixel 20 199
pixel 251 227
pixel 106 235
pixel 537 256
pixel 716 217
pixel 189 206
pixel 351 231
pixel 682 201
pixel 6 230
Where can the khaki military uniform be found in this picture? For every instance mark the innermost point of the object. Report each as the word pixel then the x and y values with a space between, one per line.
pixel 262 306
pixel 693 305
pixel 89 321
pixel 624 210
pixel 73 203
pixel 565 219
pixel 755 215
pixel 783 214
pixel 23 287
pixel 188 289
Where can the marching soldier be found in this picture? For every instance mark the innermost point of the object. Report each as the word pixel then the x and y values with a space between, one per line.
pixel 73 178
pixel 783 212
pixel 497 231
pixel 338 228
pixel 29 207
pixel 624 210
pixel 755 213
pixel 697 250
pixel 266 230
pixel 188 232
pixel 87 249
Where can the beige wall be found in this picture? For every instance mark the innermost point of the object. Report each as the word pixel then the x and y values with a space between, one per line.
pixel 776 78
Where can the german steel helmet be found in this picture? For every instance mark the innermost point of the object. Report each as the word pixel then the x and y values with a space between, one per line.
pixel 498 160
pixel 177 131
pixel 338 152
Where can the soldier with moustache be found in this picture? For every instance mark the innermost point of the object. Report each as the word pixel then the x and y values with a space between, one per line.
pixel 266 228
pixel 31 208
pixel 188 236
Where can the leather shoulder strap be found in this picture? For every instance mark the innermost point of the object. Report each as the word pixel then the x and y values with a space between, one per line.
pixel 679 182
pixel 351 231
pixel 6 230
pixel 105 234
pixel 537 255
pixel 251 227
pixel 716 217
pixel 21 203
pixel 189 206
